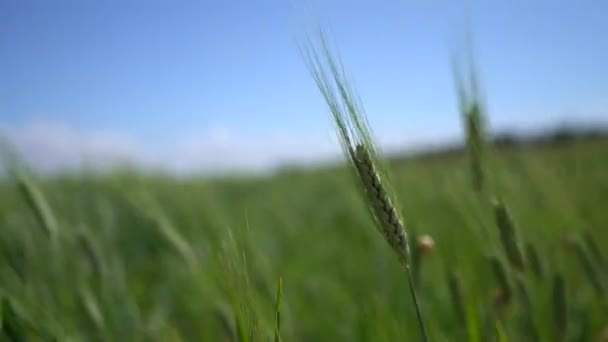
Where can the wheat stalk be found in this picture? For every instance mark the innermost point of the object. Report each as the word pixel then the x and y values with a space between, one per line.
pixel 358 146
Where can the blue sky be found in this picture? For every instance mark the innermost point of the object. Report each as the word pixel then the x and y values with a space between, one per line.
pixel 220 84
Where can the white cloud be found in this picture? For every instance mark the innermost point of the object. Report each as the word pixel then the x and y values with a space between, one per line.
pixel 48 145
pixel 218 148
pixel 51 145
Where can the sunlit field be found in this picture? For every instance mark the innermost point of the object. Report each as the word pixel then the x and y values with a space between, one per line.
pixel 134 257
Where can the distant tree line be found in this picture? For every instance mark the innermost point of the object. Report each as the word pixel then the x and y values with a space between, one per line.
pixel 562 134
pixel 508 139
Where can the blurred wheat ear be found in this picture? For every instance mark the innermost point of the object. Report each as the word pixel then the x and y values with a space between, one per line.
pixel 473 114
pixel 39 206
pixel 358 146
pixel 508 236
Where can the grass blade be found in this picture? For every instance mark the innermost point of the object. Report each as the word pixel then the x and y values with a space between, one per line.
pixel 277 326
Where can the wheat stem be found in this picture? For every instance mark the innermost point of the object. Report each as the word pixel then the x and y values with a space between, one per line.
pixel 560 307
pixel 421 325
pixel 277 328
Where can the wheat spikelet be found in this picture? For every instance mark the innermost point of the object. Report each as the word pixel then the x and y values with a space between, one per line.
pixel 384 211
pixel 508 236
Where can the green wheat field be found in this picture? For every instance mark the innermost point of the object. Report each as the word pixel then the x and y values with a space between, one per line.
pixel 507 245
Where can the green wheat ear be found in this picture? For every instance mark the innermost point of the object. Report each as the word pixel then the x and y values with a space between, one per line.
pixel 359 147
pixel 508 236
pixel 39 206
pixel 387 217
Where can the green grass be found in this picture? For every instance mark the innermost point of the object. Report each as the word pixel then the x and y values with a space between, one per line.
pixel 142 257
